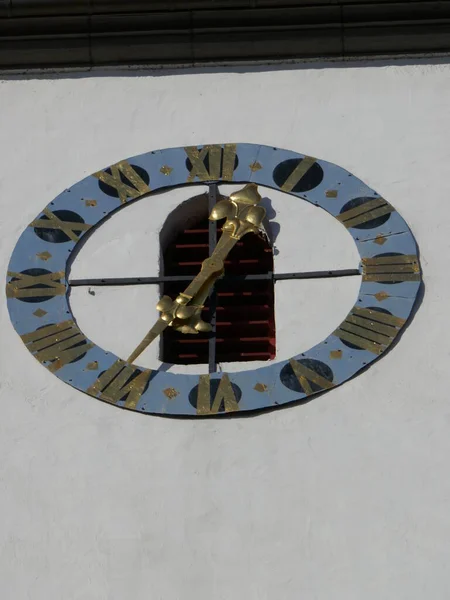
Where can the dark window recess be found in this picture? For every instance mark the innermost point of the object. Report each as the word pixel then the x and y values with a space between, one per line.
pixel 245 309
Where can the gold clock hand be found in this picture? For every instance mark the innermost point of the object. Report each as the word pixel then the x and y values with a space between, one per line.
pixel 152 334
pixel 184 313
pixel 180 313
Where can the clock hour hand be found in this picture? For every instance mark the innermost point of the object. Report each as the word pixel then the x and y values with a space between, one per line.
pixel 243 215
pixel 183 313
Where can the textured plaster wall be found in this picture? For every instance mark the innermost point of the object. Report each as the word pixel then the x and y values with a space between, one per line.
pixel 347 497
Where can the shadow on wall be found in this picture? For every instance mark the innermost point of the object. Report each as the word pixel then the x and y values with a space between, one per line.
pixel 271 226
pixel 195 69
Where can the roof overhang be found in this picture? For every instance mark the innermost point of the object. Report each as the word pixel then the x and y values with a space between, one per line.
pixel 90 33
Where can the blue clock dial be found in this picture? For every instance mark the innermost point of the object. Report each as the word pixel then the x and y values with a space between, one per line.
pixel 37 286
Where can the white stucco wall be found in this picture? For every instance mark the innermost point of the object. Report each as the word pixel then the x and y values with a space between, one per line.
pixel 346 497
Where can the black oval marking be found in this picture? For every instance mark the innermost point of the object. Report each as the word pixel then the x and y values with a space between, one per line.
pixel 311 179
pixel 377 222
pixel 289 379
pixel 82 343
pixel 36 273
pixel 213 387
pixel 376 308
pixel 109 190
pixel 388 254
pixel 57 236
pixel 206 162
pixel 135 374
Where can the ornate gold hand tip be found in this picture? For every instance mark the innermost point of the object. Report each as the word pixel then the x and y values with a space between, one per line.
pixel 221 210
pixel 255 215
pixel 248 195
pixel 242 212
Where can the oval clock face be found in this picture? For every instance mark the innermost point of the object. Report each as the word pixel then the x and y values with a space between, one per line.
pixel 37 286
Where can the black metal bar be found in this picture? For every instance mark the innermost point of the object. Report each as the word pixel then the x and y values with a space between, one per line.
pixel 249 277
pixel 123 281
pixel 317 274
pixel 212 231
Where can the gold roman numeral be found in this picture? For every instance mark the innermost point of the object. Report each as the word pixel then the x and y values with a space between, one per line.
pixel 54 222
pixel 225 394
pixel 220 162
pixel 404 267
pixel 372 209
pixel 369 329
pixel 22 286
pixel 121 380
pixel 300 171
pixel 58 344
pixel 126 192
pixel 307 376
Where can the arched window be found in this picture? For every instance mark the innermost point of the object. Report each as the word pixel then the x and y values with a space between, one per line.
pixel 241 307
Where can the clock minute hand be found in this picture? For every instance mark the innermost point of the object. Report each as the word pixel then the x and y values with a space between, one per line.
pixel 184 313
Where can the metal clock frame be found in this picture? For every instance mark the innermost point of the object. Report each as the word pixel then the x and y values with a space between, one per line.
pixel 37 286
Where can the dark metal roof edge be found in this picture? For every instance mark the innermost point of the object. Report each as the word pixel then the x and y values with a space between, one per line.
pixel 158 69
pixel 209 36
